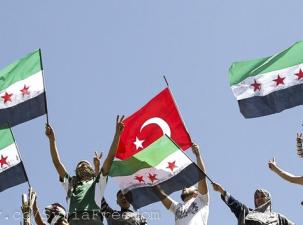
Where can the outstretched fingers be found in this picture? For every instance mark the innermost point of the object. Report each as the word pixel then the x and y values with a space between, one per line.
pixel 119 124
pixel 98 156
pixel 121 119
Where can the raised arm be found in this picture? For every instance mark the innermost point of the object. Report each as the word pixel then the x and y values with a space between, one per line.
pixel 165 199
pixel 106 210
pixel 239 209
pixel 26 210
pixel 202 185
pixel 37 215
pixel 272 164
pixel 97 159
pixel 29 205
pixel 113 148
pixel 54 151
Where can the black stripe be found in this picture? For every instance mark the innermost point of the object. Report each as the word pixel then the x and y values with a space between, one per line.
pixel 24 111
pixel 272 103
pixel 12 177
pixel 143 196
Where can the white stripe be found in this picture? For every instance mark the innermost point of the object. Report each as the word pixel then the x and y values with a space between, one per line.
pixel 12 157
pixel 55 219
pixel 244 89
pixel 99 189
pixel 35 84
pixel 127 183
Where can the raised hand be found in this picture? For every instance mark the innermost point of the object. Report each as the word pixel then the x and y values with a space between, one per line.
pixel 272 164
pixel 299 137
pixel 196 150
pixel 119 124
pixel 97 159
pixel 217 187
pixel 49 132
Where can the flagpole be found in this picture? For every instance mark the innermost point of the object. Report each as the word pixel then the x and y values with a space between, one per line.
pixel 41 64
pixel 190 159
pixel 165 81
pixel 29 185
pixel 176 106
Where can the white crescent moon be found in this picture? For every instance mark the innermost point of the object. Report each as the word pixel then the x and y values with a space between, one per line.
pixel 160 122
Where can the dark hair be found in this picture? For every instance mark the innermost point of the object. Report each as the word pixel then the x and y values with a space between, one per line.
pixel 119 192
pixel 183 196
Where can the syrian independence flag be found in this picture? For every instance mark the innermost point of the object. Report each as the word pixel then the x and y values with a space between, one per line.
pixel 22 91
pixel 162 163
pixel 11 168
pixel 159 116
pixel 269 85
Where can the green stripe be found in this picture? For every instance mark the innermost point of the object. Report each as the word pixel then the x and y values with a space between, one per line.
pixel 6 138
pixel 149 157
pixel 292 56
pixel 20 70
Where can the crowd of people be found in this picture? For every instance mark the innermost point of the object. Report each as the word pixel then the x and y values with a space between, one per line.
pixel 88 206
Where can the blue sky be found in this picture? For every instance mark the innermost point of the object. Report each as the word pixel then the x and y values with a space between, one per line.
pixel 103 58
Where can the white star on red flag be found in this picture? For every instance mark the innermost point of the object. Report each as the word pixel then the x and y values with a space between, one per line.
pixel 138 143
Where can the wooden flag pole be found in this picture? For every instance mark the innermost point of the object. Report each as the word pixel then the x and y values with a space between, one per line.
pixel 29 185
pixel 191 160
pixel 41 64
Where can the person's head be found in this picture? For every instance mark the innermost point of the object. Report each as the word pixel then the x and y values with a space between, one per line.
pixel 56 214
pixel 261 197
pixel 122 201
pixel 84 170
pixel 188 193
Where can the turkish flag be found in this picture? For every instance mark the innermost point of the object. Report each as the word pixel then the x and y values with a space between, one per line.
pixel 158 117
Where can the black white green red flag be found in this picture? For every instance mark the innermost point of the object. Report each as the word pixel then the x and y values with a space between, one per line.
pixel 163 164
pixel 11 168
pixel 22 95
pixel 269 85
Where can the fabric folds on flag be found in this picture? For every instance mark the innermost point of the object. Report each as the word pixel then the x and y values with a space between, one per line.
pixel 11 168
pixel 269 85
pixel 159 116
pixel 22 91
pixel 162 163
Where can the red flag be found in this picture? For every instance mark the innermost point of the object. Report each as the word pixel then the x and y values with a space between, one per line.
pixel 159 116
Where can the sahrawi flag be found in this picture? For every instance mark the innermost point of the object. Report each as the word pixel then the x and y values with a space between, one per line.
pixel 269 85
pixel 22 91
pixel 11 168
pixel 159 116
pixel 162 163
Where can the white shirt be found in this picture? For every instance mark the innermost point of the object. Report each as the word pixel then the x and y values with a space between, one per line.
pixel 193 212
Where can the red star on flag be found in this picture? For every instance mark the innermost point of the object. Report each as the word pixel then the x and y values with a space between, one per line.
pixel 299 74
pixel 152 177
pixel 3 160
pixel 139 179
pixel 25 90
pixel 171 165
pixel 7 97
pixel 279 80
pixel 256 85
